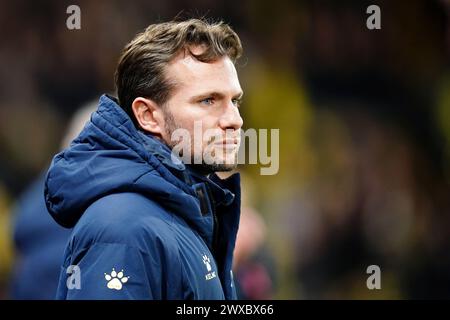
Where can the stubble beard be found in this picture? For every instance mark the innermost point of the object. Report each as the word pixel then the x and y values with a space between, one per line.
pixel 205 168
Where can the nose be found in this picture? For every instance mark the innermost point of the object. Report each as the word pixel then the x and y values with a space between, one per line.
pixel 231 118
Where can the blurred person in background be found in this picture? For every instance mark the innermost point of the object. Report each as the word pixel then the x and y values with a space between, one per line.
pixel 253 263
pixel 39 241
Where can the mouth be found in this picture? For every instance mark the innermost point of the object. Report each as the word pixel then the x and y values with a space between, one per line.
pixel 228 144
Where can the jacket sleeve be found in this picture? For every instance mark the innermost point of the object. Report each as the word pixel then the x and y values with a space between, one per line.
pixel 114 271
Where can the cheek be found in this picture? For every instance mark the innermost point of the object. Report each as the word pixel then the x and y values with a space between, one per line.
pixel 195 120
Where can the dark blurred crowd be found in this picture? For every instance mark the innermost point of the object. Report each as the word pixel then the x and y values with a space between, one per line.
pixel 364 119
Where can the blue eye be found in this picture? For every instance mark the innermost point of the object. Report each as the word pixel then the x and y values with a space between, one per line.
pixel 208 101
pixel 237 102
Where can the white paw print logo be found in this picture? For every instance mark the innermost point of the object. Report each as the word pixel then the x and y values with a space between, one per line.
pixel 115 279
pixel 207 263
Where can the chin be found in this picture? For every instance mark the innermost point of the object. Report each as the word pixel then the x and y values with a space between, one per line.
pixel 216 167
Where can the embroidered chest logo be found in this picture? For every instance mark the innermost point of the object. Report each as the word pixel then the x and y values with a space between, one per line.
pixel 116 280
pixel 209 275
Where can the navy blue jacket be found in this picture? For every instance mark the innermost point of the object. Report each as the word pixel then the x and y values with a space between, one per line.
pixel 145 225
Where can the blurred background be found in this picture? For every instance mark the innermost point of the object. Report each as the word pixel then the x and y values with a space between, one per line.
pixel 364 119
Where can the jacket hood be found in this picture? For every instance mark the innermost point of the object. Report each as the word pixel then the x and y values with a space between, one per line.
pixel 111 156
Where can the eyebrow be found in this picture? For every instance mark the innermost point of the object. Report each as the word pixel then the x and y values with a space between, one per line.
pixel 215 94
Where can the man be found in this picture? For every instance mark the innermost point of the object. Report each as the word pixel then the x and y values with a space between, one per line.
pixel 146 225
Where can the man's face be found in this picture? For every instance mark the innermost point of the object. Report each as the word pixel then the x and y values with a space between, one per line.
pixel 204 103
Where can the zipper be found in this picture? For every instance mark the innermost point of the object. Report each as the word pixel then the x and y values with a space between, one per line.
pixel 215 240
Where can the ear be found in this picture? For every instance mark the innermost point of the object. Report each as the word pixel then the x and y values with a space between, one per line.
pixel 149 115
